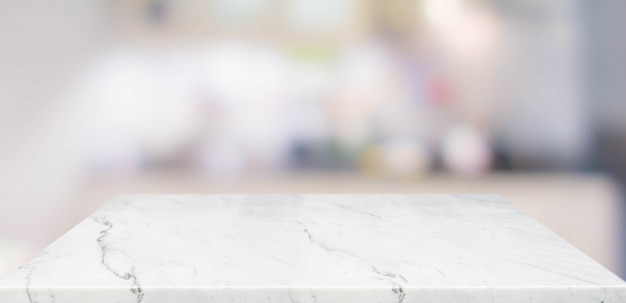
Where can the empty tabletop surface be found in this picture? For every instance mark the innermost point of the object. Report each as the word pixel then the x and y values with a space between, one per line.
pixel 311 248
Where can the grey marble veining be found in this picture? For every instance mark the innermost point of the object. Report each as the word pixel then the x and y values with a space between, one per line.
pixel 311 249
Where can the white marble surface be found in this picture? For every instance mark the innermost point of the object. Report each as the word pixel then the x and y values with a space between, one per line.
pixel 311 249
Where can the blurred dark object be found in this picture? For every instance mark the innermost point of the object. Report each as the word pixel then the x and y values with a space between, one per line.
pixel 603 23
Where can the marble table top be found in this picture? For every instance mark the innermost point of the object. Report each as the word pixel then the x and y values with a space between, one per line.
pixel 311 249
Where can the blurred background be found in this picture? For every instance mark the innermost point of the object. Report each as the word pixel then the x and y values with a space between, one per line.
pixel 524 98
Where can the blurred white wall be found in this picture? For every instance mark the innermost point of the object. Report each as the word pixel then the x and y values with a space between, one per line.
pixel 44 47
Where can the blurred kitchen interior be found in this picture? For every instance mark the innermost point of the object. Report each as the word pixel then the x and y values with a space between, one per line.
pixel 525 98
